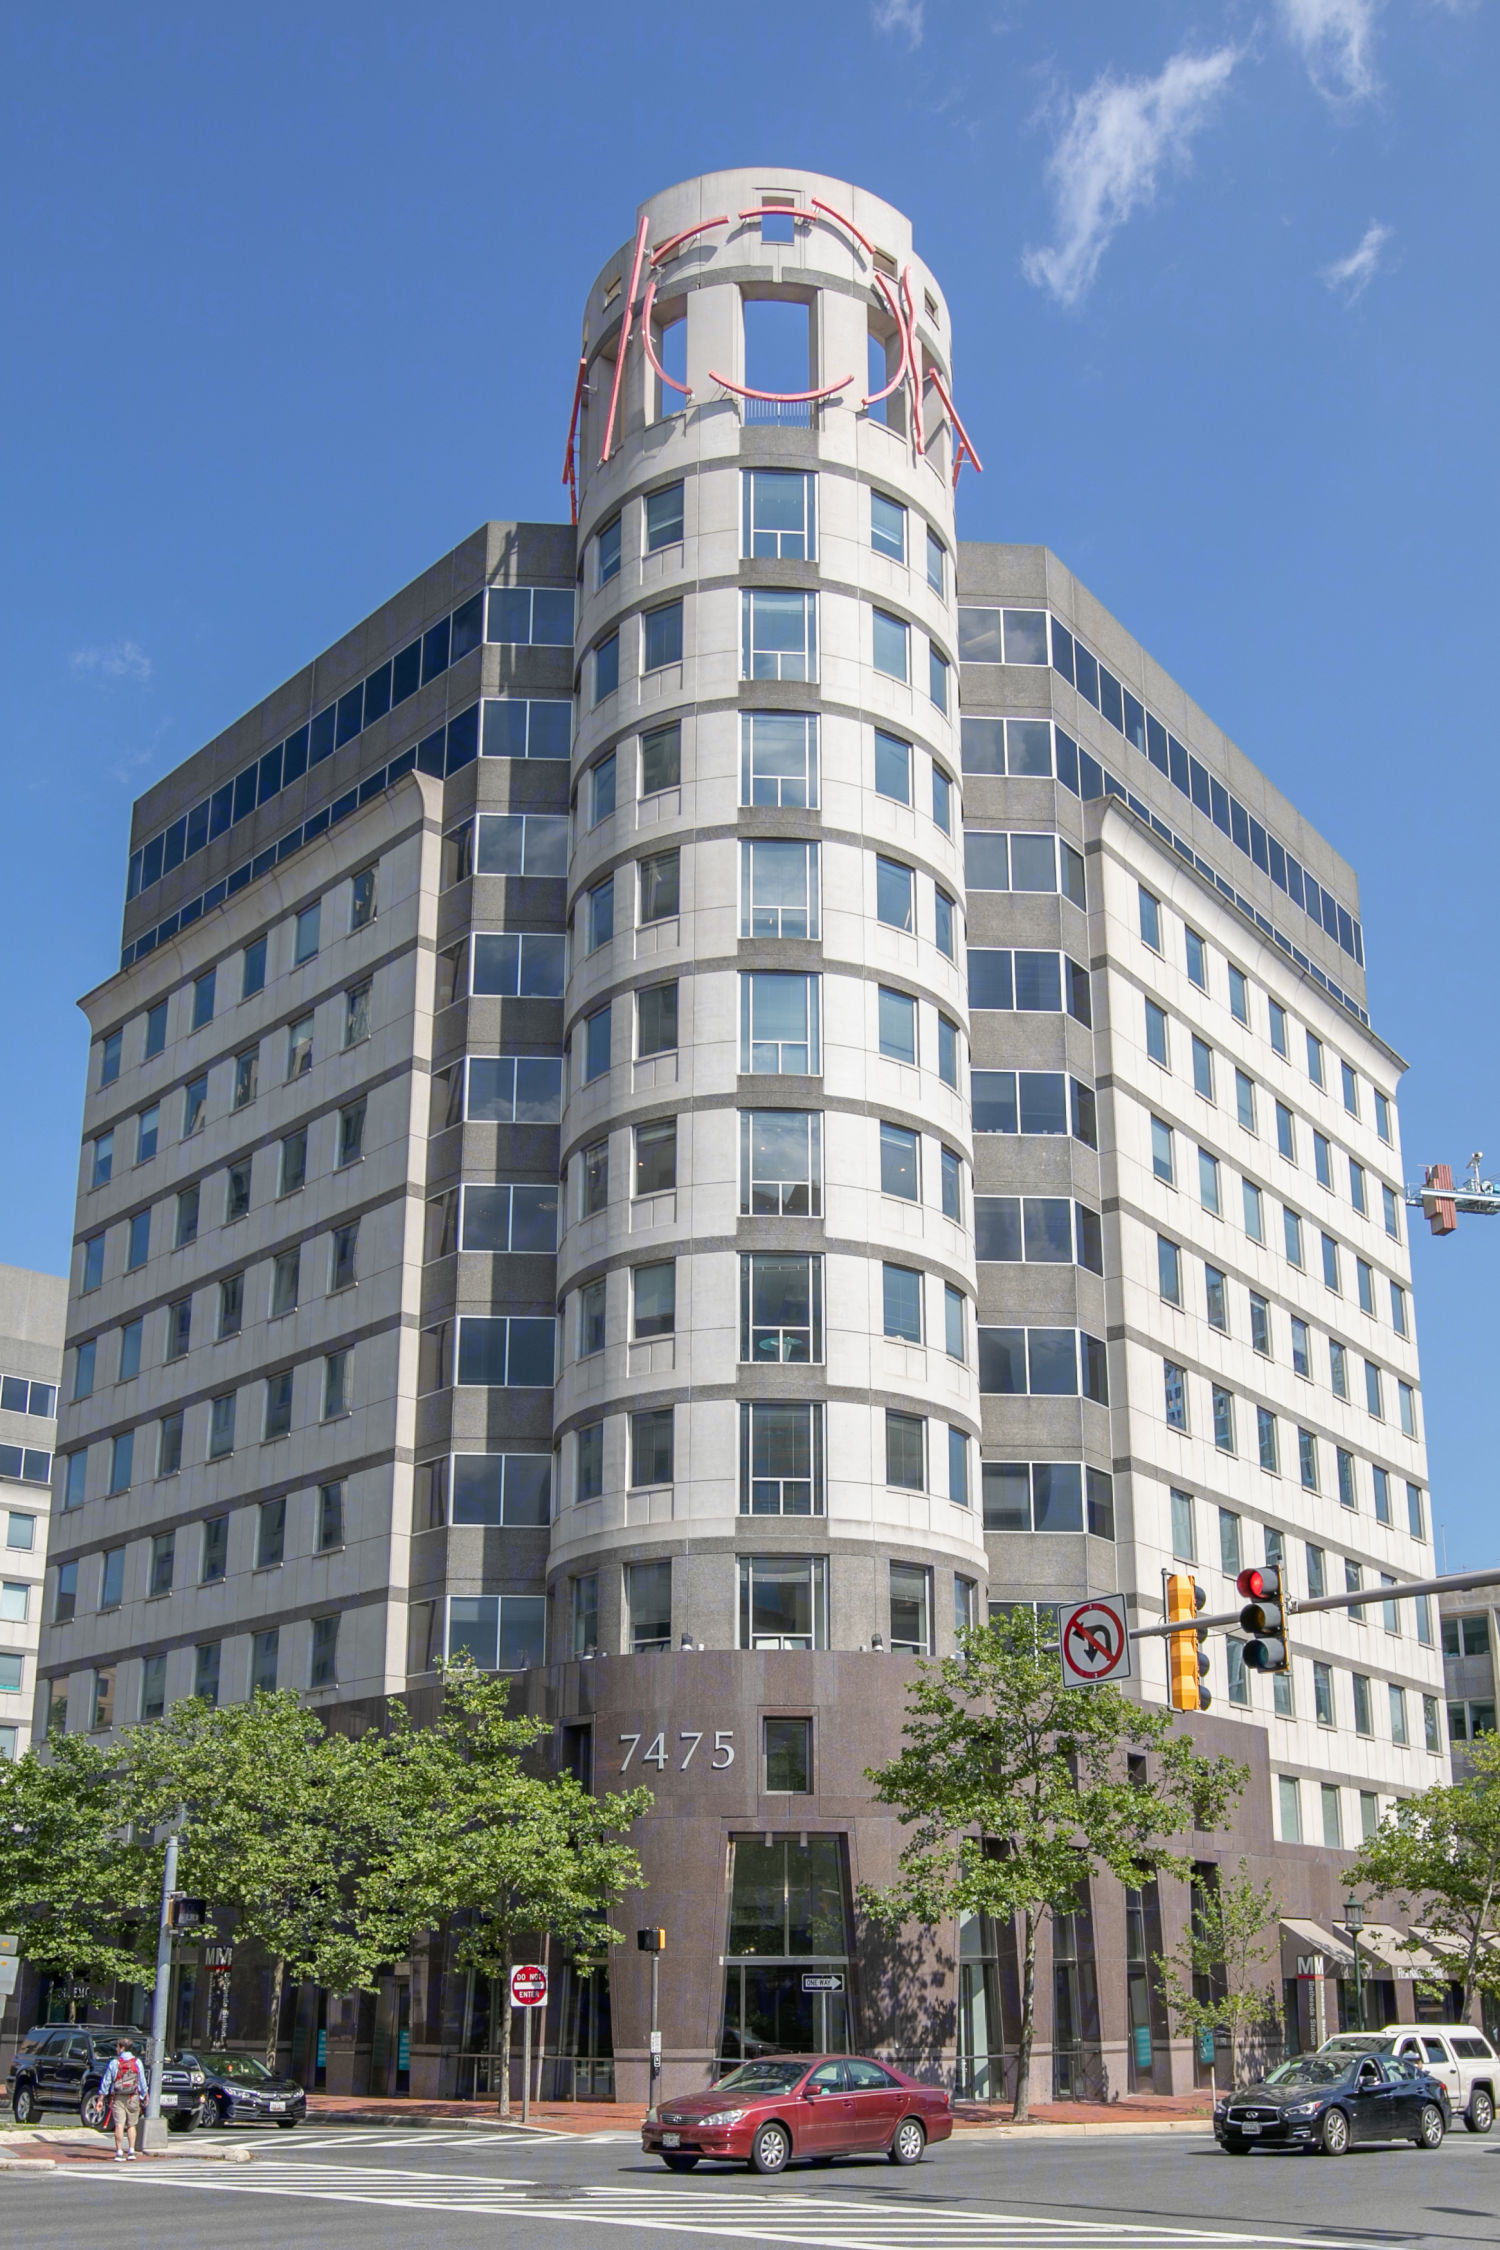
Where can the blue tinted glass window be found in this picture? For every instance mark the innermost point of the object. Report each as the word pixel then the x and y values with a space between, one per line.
pixel 320 737
pixel 406 673
pixel 549 731
pixel 990 982
pixel 1198 786
pixel 1135 721
pixel 1062 650
pixel 172 845
pixel 468 628
pixel 552 617
pixel 294 756
pixel 1086 674
pixel 350 716
pixel 197 828
pixel 435 651
pixel 1111 700
pixel 505 729
pixel 463 738
pixel 377 695
pixel 270 775
pixel 245 787
pixel 221 810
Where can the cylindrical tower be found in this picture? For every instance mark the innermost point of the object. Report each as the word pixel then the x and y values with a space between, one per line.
pixel 767 1407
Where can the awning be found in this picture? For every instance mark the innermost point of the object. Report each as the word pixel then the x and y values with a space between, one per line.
pixel 1308 1950
pixel 1385 1942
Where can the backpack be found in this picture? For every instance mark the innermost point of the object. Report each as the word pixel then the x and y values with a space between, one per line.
pixel 128 2076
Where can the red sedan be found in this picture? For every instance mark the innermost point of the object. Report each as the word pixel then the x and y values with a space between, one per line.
pixel 766 2113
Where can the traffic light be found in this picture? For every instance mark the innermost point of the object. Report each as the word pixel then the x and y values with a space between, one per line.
pixel 1264 1618
pixel 184 1913
pixel 1187 1663
pixel 651 1941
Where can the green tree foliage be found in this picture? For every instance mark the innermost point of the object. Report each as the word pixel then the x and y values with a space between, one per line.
pixel 1209 1982
pixel 470 1827
pixel 1016 1790
pixel 78 1891
pixel 275 1815
pixel 1438 1856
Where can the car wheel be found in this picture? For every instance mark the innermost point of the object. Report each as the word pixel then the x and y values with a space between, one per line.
pixel 24 2105
pixel 93 2111
pixel 1333 2134
pixel 771 2149
pixel 1480 2114
pixel 1236 2148
pixel 908 2143
pixel 679 2163
pixel 1430 2127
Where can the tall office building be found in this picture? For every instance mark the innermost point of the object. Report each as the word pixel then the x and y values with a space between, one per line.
pixel 33 1307
pixel 644 1142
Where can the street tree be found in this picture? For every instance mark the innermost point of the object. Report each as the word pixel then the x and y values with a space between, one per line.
pixel 478 1833
pixel 1017 1789
pixel 276 1816
pixel 77 1888
pixel 1437 1855
pixel 1209 1982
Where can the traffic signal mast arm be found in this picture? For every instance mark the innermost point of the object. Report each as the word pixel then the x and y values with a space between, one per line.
pixel 1440 1201
pixel 1457 1582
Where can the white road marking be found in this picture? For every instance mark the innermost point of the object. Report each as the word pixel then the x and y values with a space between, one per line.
pixel 809 2221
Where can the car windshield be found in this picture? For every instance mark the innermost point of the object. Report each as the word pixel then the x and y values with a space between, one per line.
pixel 762 2078
pixel 1309 2070
pixel 244 2069
pixel 105 2046
pixel 1357 2043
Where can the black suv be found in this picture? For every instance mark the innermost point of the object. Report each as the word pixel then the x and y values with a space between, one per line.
pixel 60 2066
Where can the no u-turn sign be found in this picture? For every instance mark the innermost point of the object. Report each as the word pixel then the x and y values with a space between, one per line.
pixel 1094 1641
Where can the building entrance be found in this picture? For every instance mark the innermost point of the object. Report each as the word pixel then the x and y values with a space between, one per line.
pixel 786 1970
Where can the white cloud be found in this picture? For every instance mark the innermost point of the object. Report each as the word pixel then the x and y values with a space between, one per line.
pixel 1350 277
pixel 904 16
pixel 119 660
pixel 1337 39
pixel 1105 165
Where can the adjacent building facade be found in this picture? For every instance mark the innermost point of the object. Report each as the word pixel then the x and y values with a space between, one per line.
pixel 33 1310
pixel 710 1096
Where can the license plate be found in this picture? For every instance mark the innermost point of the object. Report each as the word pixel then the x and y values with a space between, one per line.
pixel 1247 2130
pixel 671 2140
pixel 275 2105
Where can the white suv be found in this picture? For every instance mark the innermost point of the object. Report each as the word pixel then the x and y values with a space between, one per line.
pixel 1454 2053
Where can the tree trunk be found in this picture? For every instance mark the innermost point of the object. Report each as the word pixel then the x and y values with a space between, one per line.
pixel 1020 2108
pixel 273 2021
pixel 506 2013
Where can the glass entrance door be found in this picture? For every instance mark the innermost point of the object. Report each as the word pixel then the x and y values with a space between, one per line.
pixel 788 1943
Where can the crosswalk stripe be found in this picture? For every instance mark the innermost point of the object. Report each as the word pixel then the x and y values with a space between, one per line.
pixel 809 2221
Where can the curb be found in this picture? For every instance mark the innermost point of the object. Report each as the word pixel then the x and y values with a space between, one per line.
pixel 28 2163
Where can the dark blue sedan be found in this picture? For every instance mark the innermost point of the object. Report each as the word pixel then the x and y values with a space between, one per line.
pixel 1332 2103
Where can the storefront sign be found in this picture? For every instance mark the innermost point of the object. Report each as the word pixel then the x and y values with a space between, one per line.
pixel 657 1754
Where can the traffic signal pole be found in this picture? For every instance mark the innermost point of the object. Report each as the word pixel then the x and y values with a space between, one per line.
pixel 161 1996
pixel 1453 1582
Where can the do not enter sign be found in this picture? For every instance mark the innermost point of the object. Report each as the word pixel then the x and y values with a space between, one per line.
pixel 1094 1642
pixel 528 1985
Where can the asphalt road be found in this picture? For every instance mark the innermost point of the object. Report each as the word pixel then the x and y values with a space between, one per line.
pixel 377 2189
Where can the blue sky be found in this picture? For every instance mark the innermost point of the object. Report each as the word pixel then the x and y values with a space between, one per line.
pixel 293 304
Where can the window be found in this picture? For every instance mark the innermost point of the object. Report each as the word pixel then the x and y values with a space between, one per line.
pixel 651 1447
pixel 1317 1573
pixel 203 999
pixel 246 1077
pixel 778 889
pixel 253 975
pixel 895 889
pixel 906 1451
pixel 1315 1059
pixel 1267 1440
pixel 1150 918
pixel 1230 1557
pixel 309 923
pixel 779 634
pixel 1292 1230
pixel 1255 1220
pixel 104 1156
pixel 530 616
pixel 1161 1150
pixel 661 632
pixel 1307 1458
pixel 942 810
pixel 958 1467
pixel 1238 1676
pixel 342 1257
pixel 1350 1088
pixel 655 1299
pixel 1289 1804
pixel 1357 1192
pixel 1223 1419
pixel 1364 1277
pixel 501 1488
pixel 1301 1348
pixel 278 1421
pixel 156 1033
pixel 1323 1160
pixel 779 1028
pixel 93 1262
pixel 606 667
pixel 1374 1401
pixel 1278 1027
pixel 1323 1694
pixel 1203 1068
pixel 75 1478
pixel 1239 996
pixel 781 1166
pixel 1168 1263
pixel 937 676
pixel 121 1460
pixel 1414 1518
pixel 781 1307
pixel 911 1609
pixel 1364 1711
pixel 778 514
pixel 592 1305
pixel 147 1133
pixel 1354 1578
pixel 600 784
pixel 1184 1544
pixel 596 1044
pixel 1175 1382
pixel 1408 1401
pixel 503 1633
pixel 1244 1100
pixel 1216 1299
pixel 362 898
pixel 656 1020
pixel 322 1670
pixel 357 1014
pixel 1392 1212
pixel 899 1163
pixel 1344 1465
pixel 1432 1733
pixel 893 768
pixel 950 1182
pixel 299 1048
pixel 648 1606
pixel 897 1025
pixel 1197 959
pixel 1286 1133
pixel 783 1601
pixel 588 1474
pixel 947 1056
pixel 661 760
pixel 663 518
pixel 112 1578
pixel 599 909
pixel 1399 1735
pixel 336 1372
pixel 1260 1325
pixel 779 758
pixel 901 1291
pixel 109 1057
pixel 887 527
pixel 889 649
pixel 781 1459
pixel 1156 1034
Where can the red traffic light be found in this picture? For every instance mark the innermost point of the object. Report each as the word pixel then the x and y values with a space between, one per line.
pixel 1252 1584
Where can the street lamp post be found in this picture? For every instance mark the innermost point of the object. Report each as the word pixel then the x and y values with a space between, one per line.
pixel 1354 1922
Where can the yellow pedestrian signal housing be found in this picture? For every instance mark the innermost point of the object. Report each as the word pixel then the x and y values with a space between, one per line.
pixel 1264 1618
pixel 651 1941
pixel 1187 1664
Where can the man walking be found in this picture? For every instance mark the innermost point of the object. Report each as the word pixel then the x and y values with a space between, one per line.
pixel 120 2089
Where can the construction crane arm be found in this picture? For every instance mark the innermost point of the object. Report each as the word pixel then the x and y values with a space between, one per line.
pixel 1441 1202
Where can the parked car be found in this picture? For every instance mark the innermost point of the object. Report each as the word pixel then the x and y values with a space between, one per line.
pixel 239 2090
pixel 1461 2057
pixel 772 2111
pixel 60 2065
pixel 1333 2103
